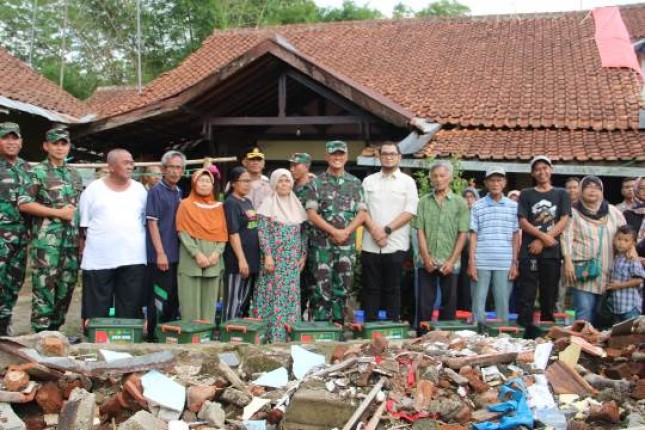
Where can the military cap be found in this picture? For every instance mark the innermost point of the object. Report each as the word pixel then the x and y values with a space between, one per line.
pixel 335 146
pixel 9 127
pixel 56 134
pixel 255 153
pixel 300 158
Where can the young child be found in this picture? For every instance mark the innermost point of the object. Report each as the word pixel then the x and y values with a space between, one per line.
pixel 626 281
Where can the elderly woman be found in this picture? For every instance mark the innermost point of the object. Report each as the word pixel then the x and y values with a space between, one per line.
pixel 277 296
pixel 587 247
pixel 201 224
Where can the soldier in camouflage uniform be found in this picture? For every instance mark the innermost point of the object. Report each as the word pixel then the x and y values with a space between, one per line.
pixel 336 206
pixel 300 163
pixel 51 199
pixel 14 174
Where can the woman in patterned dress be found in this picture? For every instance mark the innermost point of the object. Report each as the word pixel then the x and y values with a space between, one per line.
pixel 277 295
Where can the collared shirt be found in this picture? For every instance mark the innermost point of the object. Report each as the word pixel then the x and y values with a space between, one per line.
pixel 495 223
pixel 161 206
pixel 442 223
pixel 387 196
pixel 260 189
pixel 623 206
pixel 13 177
pixel 337 199
pixel 625 299
pixel 53 187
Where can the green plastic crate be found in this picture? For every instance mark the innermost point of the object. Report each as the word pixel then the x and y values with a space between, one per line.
pixel 450 325
pixel 496 328
pixel 115 330
pixel 243 330
pixel 387 329
pixel 314 331
pixel 185 331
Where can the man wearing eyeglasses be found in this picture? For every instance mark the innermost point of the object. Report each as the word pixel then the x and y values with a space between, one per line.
pixel 51 199
pixel 14 174
pixel 392 200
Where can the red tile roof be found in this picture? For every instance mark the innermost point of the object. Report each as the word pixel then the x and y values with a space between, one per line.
pixel 560 145
pixel 511 72
pixel 105 96
pixel 20 83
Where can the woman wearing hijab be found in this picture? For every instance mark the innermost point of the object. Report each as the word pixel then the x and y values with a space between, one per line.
pixel 587 247
pixel 201 224
pixel 277 296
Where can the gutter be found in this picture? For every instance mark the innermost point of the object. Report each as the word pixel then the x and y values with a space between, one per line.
pixel 51 115
pixel 519 167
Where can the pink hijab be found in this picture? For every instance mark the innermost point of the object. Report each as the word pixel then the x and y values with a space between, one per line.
pixel 284 209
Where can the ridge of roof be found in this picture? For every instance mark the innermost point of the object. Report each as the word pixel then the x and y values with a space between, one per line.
pixel 524 70
pixel 24 85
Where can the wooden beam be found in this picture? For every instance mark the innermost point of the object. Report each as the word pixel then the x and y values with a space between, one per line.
pixel 287 120
pixel 282 95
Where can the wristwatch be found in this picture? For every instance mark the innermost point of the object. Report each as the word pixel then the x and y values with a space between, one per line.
pixel 388 230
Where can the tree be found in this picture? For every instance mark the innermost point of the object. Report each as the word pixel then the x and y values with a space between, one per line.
pixel 443 8
pixel 350 11
pixel 402 11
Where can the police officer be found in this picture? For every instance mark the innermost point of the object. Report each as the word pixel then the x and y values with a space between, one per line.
pixel 336 206
pixel 300 164
pixel 14 174
pixel 51 199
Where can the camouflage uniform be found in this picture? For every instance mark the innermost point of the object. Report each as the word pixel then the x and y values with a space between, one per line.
pixel 13 230
pixel 54 250
pixel 338 201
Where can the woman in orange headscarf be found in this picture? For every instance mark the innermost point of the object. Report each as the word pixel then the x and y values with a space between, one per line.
pixel 201 224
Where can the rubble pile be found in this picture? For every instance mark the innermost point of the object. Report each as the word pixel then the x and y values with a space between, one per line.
pixel 575 378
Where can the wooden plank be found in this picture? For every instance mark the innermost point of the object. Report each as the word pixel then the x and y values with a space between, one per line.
pixel 480 360
pixel 351 423
pixel 287 120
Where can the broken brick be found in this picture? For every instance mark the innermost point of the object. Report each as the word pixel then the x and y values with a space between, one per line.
pixel 49 398
pixel 198 394
pixel 608 412
pixel 15 380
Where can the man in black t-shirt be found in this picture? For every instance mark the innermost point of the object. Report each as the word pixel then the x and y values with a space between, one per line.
pixel 543 211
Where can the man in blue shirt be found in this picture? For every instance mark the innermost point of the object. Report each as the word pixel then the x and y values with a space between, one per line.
pixel 162 242
pixel 494 244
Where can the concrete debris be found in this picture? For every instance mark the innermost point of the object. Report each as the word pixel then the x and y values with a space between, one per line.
pixel 577 378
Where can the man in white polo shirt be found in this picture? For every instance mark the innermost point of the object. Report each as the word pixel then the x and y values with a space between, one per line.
pixel 392 200
pixel 494 245
pixel 113 218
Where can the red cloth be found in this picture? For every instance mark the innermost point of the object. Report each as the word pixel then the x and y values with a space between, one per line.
pixel 613 41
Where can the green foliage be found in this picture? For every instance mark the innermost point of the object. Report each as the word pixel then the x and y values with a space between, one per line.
pixel 458 183
pixel 443 8
pixel 350 11
pixel 402 11
pixel 100 36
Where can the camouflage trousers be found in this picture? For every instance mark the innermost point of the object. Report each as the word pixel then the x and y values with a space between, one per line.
pixel 55 273
pixel 333 274
pixel 13 260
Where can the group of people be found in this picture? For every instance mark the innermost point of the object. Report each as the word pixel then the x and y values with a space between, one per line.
pixel 282 247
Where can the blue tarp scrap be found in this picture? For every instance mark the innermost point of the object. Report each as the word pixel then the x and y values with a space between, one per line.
pixel 516 409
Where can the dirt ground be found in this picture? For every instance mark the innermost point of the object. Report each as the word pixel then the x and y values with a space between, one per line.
pixel 22 312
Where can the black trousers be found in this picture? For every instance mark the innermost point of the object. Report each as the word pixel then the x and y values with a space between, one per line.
pixel 381 280
pixel 464 300
pixel 428 285
pixel 122 286
pixel 545 280
pixel 161 299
